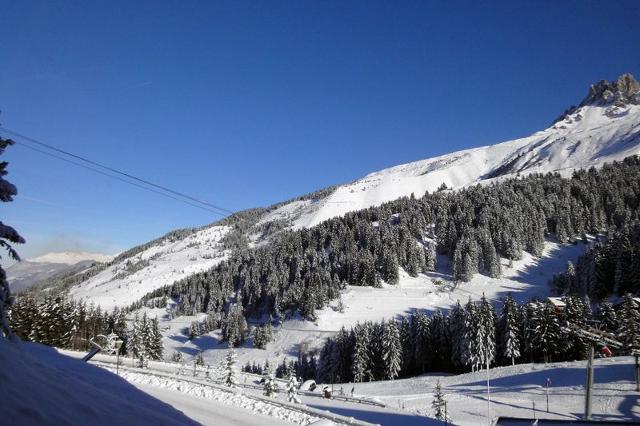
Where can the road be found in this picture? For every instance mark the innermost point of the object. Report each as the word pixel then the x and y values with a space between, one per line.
pixel 209 412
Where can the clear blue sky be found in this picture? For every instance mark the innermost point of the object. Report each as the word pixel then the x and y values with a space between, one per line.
pixel 248 103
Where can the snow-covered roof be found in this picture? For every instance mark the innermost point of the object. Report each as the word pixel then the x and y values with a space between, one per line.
pixel 557 302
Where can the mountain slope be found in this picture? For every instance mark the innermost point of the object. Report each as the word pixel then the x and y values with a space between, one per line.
pixel 29 272
pixel 603 128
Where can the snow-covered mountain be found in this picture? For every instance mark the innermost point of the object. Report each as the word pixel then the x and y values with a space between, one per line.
pixel 604 127
pixel 29 272
pixel 71 257
pixel 142 269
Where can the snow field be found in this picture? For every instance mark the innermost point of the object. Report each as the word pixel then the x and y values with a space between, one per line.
pixel 168 262
pixel 515 389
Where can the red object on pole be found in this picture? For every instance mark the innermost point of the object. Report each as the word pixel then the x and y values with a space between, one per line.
pixel 606 351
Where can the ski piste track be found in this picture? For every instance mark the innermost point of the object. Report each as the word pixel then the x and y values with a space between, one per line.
pixel 109 364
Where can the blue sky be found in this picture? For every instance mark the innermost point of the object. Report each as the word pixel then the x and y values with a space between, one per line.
pixel 248 103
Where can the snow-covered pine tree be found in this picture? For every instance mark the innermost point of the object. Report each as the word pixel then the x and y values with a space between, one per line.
pixel 438 403
pixel 8 235
pixel 194 330
pixel 423 354
pixel 468 352
pixel 407 340
pixel 292 388
pixel 391 350
pixel 629 324
pixel 509 325
pixel 457 330
pixel 200 359
pixel 133 341
pixel 235 325
pixel 154 349
pixel 575 312
pixel 229 368
pixel 360 362
pixel 485 337
pixel 608 317
pixel 545 329
pixel 270 386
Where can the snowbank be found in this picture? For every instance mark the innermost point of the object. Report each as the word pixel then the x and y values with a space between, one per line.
pixel 40 386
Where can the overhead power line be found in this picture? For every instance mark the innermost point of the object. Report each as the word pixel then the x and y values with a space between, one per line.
pixel 115 173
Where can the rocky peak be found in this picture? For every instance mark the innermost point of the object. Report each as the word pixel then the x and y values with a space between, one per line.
pixel 624 91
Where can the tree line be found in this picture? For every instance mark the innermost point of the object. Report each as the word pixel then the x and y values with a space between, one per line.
pixel 469 337
pixel 63 323
pixel 610 266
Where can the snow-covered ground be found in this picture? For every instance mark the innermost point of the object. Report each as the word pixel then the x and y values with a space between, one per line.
pixel 514 390
pixel 159 265
pixel 264 410
pixel 41 387
pixel 207 412
pixel 166 379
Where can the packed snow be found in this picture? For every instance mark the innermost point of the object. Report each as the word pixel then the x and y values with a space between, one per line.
pixel 226 398
pixel 159 265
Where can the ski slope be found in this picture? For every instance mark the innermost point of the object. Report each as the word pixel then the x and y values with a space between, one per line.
pixel 161 264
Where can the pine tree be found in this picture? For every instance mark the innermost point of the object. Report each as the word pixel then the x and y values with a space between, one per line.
pixel 546 333
pixel 391 350
pixel 235 325
pixel 629 325
pixel 154 349
pixel 457 329
pixel 292 389
pixel 229 369
pixel 510 329
pixel 608 317
pixel 270 385
pixel 468 352
pixel 360 362
pixel 8 235
pixel 486 333
pixel 439 403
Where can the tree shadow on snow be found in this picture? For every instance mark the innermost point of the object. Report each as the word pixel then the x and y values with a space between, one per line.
pixel 380 417
pixel 560 377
